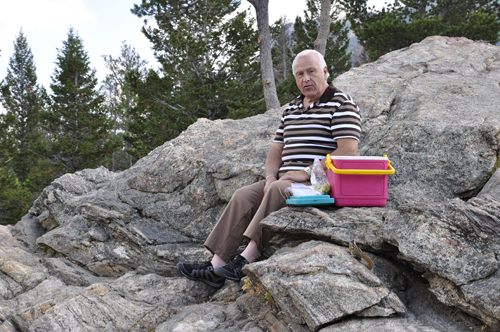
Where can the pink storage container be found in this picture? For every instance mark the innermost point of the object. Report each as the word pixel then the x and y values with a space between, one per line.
pixel 358 181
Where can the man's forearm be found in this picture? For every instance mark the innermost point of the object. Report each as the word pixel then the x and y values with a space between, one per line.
pixel 273 161
pixel 346 147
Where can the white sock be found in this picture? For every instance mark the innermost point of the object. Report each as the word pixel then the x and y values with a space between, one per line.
pixel 217 261
pixel 251 252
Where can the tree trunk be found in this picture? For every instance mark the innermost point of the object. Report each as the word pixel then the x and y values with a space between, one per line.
pixel 266 61
pixel 324 26
pixel 284 48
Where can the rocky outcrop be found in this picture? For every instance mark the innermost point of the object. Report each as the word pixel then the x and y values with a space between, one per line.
pixel 98 250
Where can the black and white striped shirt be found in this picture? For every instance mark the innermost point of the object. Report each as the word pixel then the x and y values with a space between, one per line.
pixel 313 133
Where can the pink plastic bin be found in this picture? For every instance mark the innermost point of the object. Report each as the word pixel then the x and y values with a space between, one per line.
pixel 359 181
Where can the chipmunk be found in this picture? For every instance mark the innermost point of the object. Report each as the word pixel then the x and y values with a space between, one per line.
pixel 356 252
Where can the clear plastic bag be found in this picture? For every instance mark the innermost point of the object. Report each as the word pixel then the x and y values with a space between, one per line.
pixel 319 183
pixel 319 180
pixel 299 189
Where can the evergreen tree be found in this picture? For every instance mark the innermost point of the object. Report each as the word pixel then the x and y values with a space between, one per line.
pixel 209 67
pixel 151 122
pixel 409 21
pixel 14 198
pixel 24 99
pixel 76 121
pixel 121 99
pixel 23 167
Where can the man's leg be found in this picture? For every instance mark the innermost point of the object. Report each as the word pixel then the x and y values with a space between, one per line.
pixel 273 200
pixel 258 237
pixel 227 235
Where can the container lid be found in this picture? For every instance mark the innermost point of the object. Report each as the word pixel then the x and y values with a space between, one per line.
pixel 310 200
pixel 358 157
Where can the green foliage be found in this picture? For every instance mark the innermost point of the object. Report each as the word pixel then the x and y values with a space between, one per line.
pixel 77 123
pixel 23 167
pixel 254 290
pixel 23 99
pixel 15 199
pixel 210 69
pixel 150 122
pixel 121 100
pixel 410 21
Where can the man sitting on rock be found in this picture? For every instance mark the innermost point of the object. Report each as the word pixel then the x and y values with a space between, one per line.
pixel 323 120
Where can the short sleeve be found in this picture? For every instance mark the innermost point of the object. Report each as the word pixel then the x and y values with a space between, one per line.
pixel 278 138
pixel 346 121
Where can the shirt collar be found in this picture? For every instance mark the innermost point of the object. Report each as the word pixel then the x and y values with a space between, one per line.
pixel 325 97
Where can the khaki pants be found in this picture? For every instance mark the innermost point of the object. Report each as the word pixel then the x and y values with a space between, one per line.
pixel 242 216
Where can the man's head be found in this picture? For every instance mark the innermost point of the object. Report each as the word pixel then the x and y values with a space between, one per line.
pixel 310 71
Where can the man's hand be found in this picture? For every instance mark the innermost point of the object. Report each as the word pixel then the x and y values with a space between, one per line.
pixel 296 176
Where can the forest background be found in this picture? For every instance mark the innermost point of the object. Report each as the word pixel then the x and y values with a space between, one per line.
pixel 213 60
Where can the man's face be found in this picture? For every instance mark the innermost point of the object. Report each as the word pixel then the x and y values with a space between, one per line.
pixel 310 77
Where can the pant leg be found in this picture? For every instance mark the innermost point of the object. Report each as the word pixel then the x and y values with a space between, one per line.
pixel 227 234
pixel 273 200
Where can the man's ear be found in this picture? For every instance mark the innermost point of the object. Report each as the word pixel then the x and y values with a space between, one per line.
pixel 325 71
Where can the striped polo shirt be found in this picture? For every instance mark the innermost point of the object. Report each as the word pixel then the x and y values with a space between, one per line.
pixel 313 133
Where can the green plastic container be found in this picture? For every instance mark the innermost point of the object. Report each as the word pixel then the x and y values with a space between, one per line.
pixel 310 200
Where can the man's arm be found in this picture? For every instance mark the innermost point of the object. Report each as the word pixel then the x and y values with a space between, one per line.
pixel 345 147
pixel 273 163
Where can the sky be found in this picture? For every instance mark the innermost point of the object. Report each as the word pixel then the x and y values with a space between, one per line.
pixel 102 24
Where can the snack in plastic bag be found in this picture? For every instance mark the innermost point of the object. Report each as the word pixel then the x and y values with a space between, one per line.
pixel 299 189
pixel 319 180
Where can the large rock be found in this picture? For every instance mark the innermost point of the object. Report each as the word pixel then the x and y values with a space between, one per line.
pixel 114 223
pixel 98 250
pixel 318 283
pixel 434 109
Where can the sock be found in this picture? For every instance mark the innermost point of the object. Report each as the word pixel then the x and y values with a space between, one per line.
pixel 217 261
pixel 251 252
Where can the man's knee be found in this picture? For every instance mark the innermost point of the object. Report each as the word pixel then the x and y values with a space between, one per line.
pixel 240 193
pixel 276 188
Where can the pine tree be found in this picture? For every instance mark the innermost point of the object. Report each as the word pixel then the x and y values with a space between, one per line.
pixel 14 199
pixel 76 121
pixel 23 99
pixel 23 167
pixel 151 122
pixel 209 66
pixel 121 99
pixel 409 21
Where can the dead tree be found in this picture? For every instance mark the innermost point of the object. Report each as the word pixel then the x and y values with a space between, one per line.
pixel 324 26
pixel 266 61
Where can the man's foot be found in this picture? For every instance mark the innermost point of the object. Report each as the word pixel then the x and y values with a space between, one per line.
pixel 203 272
pixel 232 271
